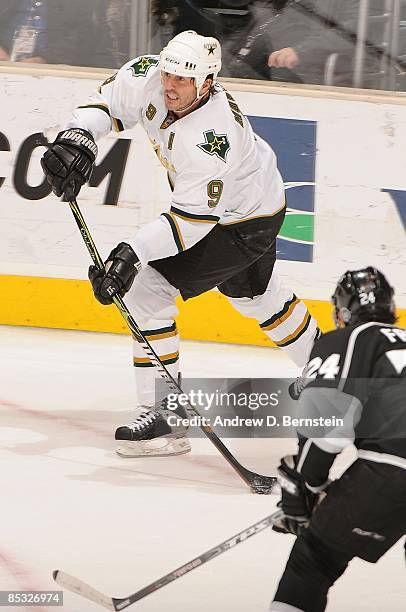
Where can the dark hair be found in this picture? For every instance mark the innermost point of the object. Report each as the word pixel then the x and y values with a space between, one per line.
pixel 212 87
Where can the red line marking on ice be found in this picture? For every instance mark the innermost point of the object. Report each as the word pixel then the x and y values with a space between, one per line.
pixel 22 576
pixel 82 426
pixel 79 425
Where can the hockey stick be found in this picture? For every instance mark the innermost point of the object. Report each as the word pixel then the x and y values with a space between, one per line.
pixel 117 603
pixel 257 482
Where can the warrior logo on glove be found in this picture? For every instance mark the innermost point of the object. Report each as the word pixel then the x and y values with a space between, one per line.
pixel 69 161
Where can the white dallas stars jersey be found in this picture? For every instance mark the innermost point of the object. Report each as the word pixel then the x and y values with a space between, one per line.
pixel 220 171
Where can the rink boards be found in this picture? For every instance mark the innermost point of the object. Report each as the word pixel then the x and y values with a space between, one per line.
pixel 340 152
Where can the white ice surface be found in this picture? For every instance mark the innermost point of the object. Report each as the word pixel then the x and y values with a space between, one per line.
pixel 68 502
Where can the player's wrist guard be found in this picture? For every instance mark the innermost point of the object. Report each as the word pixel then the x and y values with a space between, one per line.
pixel 69 161
pixel 121 267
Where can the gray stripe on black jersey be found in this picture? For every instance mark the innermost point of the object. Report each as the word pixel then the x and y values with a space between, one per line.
pixel 350 349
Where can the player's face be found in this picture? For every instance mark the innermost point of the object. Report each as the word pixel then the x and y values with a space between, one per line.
pixel 179 92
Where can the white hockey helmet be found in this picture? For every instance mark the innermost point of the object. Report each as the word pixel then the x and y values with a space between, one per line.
pixel 193 55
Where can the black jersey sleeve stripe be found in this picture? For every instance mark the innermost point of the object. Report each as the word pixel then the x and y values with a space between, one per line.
pixel 193 217
pixel 101 107
pixel 118 124
pixel 177 236
pixel 171 183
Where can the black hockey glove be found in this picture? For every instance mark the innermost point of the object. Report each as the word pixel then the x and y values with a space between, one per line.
pixel 121 267
pixel 297 501
pixel 68 163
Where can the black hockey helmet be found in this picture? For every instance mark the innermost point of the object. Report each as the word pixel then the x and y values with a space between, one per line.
pixel 361 296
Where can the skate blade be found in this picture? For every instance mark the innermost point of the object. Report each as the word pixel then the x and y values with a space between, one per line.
pixel 158 447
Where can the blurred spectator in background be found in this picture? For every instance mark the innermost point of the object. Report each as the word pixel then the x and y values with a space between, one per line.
pixel 52 32
pixel 324 27
pixel 250 38
pixel 117 18
pixel 245 37
pixel 236 23
pixel 175 17
pixel 284 40
pixel 289 40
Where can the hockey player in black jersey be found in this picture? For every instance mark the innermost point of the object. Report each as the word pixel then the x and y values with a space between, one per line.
pixel 357 371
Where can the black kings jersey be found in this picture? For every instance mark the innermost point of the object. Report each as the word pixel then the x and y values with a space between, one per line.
pixel 358 387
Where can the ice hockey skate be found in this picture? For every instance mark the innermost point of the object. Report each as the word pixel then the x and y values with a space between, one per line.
pixel 150 434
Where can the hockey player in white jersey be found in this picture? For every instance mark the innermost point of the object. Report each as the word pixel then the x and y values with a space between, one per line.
pixel 219 230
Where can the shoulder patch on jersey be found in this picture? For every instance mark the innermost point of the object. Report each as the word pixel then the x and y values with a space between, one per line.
pixel 215 144
pixel 142 65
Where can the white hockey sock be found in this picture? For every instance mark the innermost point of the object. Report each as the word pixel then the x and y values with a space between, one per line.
pixel 283 317
pixel 293 329
pixel 164 339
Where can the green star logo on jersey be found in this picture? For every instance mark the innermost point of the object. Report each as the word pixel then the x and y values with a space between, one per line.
pixel 210 49
pixel 215 144
pixel 142 65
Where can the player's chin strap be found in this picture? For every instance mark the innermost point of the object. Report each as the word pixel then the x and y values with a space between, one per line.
pixel 198 98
